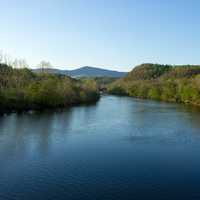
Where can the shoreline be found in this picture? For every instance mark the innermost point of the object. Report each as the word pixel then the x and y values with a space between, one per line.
pixel 43 109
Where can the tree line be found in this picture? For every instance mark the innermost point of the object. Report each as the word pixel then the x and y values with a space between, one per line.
pixel 161 82
pixel 21 89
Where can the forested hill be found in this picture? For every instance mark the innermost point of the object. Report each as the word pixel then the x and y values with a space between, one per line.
pixel 84 72
pixel 21 89
pixel 179 83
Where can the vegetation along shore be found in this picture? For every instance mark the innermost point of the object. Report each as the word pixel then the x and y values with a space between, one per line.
pixel 22 89
pixel 180 83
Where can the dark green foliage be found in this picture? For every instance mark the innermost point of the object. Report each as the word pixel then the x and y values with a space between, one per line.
pixel 101 82
pixel 147 72
pixel 182 71
pixel 21 89
pixel 161 82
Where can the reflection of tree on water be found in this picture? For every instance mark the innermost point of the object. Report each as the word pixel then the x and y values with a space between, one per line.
pixel 35 133
pixel 193 116
pixel 31 133
pixel 148 124
pixel 83 118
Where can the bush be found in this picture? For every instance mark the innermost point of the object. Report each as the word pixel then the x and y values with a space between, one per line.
pixel 21 89
pixel 161 82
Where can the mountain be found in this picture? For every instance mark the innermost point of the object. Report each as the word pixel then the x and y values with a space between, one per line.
pixel 84 72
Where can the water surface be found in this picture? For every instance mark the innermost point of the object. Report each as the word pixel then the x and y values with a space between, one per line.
pixel 120 148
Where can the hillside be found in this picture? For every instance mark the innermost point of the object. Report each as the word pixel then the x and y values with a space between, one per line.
pixel 180 83
pixel 84 72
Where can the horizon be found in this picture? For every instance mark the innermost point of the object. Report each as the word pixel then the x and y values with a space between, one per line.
pixel 114 35
pixel 79 67
pixel 110 69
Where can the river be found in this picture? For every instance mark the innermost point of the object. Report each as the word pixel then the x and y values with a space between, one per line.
pixel 119 148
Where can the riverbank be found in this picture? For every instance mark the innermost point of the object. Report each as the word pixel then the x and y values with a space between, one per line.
pixel 22 90
pixel 180 84
pixel 153 147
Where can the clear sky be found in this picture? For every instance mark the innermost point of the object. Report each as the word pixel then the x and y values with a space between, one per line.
pixel 115 34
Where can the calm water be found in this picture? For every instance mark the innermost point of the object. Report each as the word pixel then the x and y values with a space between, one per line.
pixel 120 148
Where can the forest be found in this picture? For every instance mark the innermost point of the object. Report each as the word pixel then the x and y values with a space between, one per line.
pixel 21 89
pixel 173 83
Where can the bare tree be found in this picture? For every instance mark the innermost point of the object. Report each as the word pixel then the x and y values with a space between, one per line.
pixel 15 63
pixel 23 63
pixel 7 59
pixel 20 63
pixel 1 56
pixel 44 65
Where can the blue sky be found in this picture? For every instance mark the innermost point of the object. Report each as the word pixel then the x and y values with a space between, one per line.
pixel 115 34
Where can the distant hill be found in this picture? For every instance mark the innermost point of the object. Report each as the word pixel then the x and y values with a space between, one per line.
pixel 149 71
pixel 172 83
pixel 84 72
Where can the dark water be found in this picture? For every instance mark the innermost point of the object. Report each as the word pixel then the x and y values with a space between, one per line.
pixel 120 148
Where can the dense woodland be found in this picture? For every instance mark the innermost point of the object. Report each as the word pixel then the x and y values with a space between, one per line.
pixel 161 82
pixel 21 89
pixel 101 81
